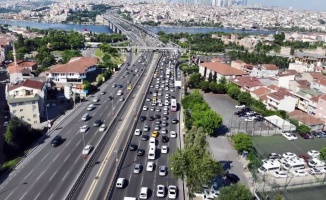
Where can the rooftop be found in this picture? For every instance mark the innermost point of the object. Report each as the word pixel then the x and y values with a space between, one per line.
pixel 75 65
pixel 305 118
pixel 15 99
pixel 223 69
pixel 308 55
pixel 21 65
pixel 246 81
pixel 27 83
pixel 261 91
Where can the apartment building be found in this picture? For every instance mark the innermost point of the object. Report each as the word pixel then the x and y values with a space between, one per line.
pixel 21 70
pixel 27 100
pixel 265 70
pixel 281 100
pixel 312 76
pixel 260 93
pixel 321 108
pixel 311 121
pixel 319 85
pixel 246 83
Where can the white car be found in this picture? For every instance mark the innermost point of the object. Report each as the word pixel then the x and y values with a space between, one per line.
pixel 280 174
pixel 240 106
pixel 145 108
pixel 248 119
pixel 289 155
pixel 102 128
pixel 96 99
pixel 315 171
pixel 299 172
pixel 137 132
pixel 313 153
pixel 289 136
pixel 152 108
pixel 165 108
pixel 84 128
pixel 173 191
pixel 173 134
pixel 150 166
pixel 87 149
pixel 162 170
pixel 148 99
pixel 137 168
pixel 90 107
pixel 160 191
pixel 164 149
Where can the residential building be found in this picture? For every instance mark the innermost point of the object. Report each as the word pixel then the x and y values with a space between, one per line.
pixel 285 79
pixel 27 100
pixel 73 72
pixel 309 58
pixel 304 99
pixel 21 70
pixel 312 76
pixel 312 122
pixel 296 85
pixel 239 64
pixel 265 70
pixel 220 70
pixel 260 92
pixel 281 100
pixel 246 83
pixel 319 85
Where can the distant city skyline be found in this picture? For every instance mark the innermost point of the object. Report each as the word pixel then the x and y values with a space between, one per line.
pixel 296 4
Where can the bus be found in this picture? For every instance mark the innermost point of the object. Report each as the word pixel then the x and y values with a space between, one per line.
pixel 269 166
pixel 173 105
pixel 151 153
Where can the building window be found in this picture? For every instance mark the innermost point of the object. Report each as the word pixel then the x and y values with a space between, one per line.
pixel 21 110
pixel 13 104
pixel 35 122
pixel 33 102
pixel 14 111
pixel 21 103
pixel 35 115
pixel 22 117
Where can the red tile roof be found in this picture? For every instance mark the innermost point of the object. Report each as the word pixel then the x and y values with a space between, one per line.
pixel 28 83
pixel 270 67
pixel 75 65
pixel 246 81
pixel 273 87
pixel 261 91
pixel 305 118
pixel 280 94
pixel 12 68
pixel 316 75
pixel 321 81
pixel 223 69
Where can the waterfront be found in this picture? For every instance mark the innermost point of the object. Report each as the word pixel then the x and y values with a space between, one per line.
pixel 105 29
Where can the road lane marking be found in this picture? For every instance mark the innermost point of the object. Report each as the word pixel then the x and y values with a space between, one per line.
pixel 40 175
pixel 78 143
pixel 56 157
pixel 51 196
pixel 65 176
pixel 67 158
pixel 77 159
pixel 9 195
pixel 45 156
pixel 29 174
pixel 68 143
pixel 108 155
pixel 37 196
pixel 53 175
pixel 23 196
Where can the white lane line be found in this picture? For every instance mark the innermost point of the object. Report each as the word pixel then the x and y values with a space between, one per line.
pixel 40 175
pixel 56 157
pixel 9 195
pixel 68 143
pixel 29 174
pixel 37 196
pixel 53 175
pixel 78 143
pixel 45 156
pixel 23 196
pixel 67 158
pixel 65 176
pixel 51 196
pixel 77 159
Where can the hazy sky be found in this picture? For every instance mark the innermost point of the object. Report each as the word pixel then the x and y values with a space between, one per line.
pixel 297 4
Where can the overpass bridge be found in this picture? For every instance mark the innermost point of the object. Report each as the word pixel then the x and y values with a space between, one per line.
pixel 147 48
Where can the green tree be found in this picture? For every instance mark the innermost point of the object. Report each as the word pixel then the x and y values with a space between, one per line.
pixel 323 153
pixel 194 80
pixel 220 88
pixel 303 129
pixel 209 120
pixel 242 142
pixel 68 54
pixel 245 98
pixel 190 100
pixel 204 86
pixel 235 191
pixel 213 86
pixel 210 77
pixel 233 92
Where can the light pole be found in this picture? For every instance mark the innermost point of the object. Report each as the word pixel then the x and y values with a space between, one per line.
pixel 116 159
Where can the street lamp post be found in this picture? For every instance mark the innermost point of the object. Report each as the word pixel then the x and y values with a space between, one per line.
pixel 116 159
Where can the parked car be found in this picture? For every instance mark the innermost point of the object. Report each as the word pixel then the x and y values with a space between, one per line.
pixel 315 171
pixel 290 136
pixel 299 172
pixel 289 155
pixel 240 106
pixel 313 153
pixel 280 174
pixel 274 156
pixel 306 136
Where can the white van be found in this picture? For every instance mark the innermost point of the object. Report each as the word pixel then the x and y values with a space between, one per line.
pixel 143 193
pixel 121 182
pixel 315 162
pixel 85 117
pixel 270 166
pixel 152 141
pixel 130 198
pixel 151 152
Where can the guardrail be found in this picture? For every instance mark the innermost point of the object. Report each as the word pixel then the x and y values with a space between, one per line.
pixel 123 156
pixel 100 145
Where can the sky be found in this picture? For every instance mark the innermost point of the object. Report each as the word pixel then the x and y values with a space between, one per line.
pixel 296 4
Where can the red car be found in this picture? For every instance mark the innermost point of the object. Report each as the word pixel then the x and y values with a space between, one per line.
pixel 306 136
pixel 304 157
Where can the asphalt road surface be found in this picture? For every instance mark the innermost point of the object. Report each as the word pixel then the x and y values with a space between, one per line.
pixel 146 178
pixel 49 172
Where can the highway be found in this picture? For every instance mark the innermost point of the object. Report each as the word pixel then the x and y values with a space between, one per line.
pixel 48 173
pixel 145 178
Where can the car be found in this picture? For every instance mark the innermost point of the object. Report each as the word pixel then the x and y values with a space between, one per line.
pixel 304 157
pixel 102 128
pixel 158 109
pixel 121 183
pixel 142 118
pixel 87 149
pixel 274 156
pixel 299 172
pixel 120 86
pixel 280 174
pixel 160 191
pixel 144 137
pixel 152 109
pixel 157 128
pixel 165 118
pixel 140 152
pixel 145 108
pixel 90 107
pixel 114 85
pixel 103 92
pixel 143 193
pixel 110 98
pixel 240 106
pixel 165 139
pixel 290 136
pixel 306 136
pixel 164 149
pixel 155 134
pixel 84 128
pixel 137 168
pixel 121 99
pixel 232 178
pixel 172 192
pixel 137 132
pixel 129 87
pixel 164 131
pixel 322 169
pixel 97 122
pixel 56 140
pixel 122 77
pixel 162 170
pixel 151 118
pixel 173 134
pixel 313 153
pixel 150 166
pixel 315 171
pixel 146 128
pixel 157 116
pixel 289 155
pixel 174 121
pixel 133 147
pixel 165 112
pixel 148 99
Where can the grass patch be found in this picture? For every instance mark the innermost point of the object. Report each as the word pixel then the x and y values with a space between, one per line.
pixel 10 163
pixel 118 60
pixel 98 53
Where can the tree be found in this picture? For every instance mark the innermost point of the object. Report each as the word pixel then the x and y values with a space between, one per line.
pixel 220 88
pixel 210 77
pixel 323 153
pixel 242 142
pixel 209 120
pixel 204 86
pixel 235 191
pixel 245 98
pixel 303 129
pixel 213 86
pixel 190 100
pixel 233 92
pixel 194 80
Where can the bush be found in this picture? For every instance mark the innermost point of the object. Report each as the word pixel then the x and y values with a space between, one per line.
pixel 242 142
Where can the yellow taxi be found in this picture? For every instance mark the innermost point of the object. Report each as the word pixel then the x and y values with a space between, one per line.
pixel 129 87
pixel 155 134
